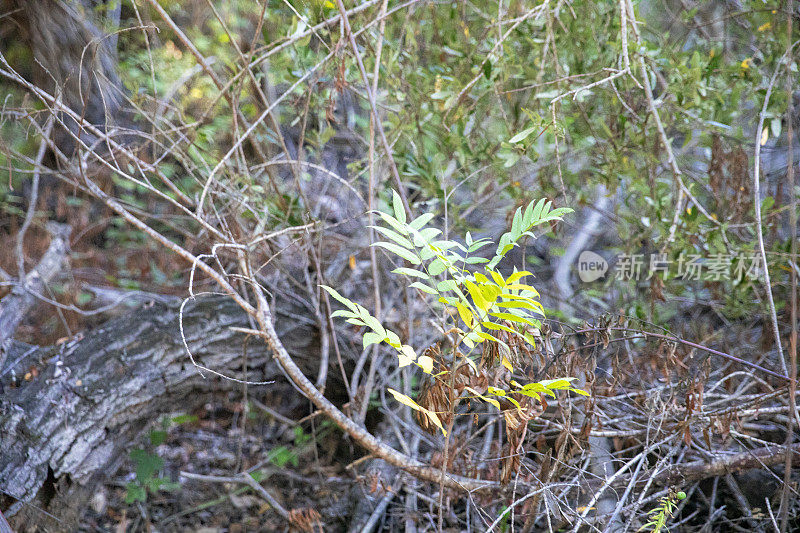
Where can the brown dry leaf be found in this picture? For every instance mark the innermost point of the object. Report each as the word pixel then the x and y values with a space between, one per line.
pixel 305 520
pixel 516 428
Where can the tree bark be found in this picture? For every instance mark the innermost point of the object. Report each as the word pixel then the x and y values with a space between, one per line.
pixel 63 430
pixel 75 59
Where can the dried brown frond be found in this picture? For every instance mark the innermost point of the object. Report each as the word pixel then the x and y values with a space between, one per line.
pixel 436 394
pixel 517 419
pixel 305 520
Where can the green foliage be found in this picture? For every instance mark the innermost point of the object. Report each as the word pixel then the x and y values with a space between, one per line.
pixel 477 297
pixel 147 479
pixel 148 464
pixel 659 515
pixel 282 455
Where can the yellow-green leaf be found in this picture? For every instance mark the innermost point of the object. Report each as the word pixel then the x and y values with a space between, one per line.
pixel 498 278
pixel 465 314
pixel 425 363
pixel 516 276
pixel 405 400
pixel 476 295
pixel 409 352
pixel 484 398
pixel 433 417
pixel 397 205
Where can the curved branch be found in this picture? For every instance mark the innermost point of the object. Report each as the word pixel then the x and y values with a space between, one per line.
pixel 358 433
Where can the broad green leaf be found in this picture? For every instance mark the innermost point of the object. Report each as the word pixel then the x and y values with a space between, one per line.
pixel 373 323
pixel 445 245
pixel 537 211
pixel 449 300
pixel 474 336
pixel 516 223
pixel 397 206
pixel 436 267
pixel 477 245
pixel 420 221
pixel 338 297
pixel 423 287
pixel 393 222
pixel 408 255
pixel 521 136
pixel 394 236
pixel 428 252
pixel 468 342
pixel 392 339
pixel 371 338
pixel 411 272
pixel 425 236
pixel 447 285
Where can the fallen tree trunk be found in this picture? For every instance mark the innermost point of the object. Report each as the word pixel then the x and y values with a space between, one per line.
pixel 65 429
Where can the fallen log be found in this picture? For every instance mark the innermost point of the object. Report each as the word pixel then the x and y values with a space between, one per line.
pixel 66 428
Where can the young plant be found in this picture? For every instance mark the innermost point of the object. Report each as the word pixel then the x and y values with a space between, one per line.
pixel 486 313
pixel 149 464
pixel 658 516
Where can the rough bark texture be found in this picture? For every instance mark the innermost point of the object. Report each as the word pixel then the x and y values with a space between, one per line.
pixel 74 59
pixel 66 428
